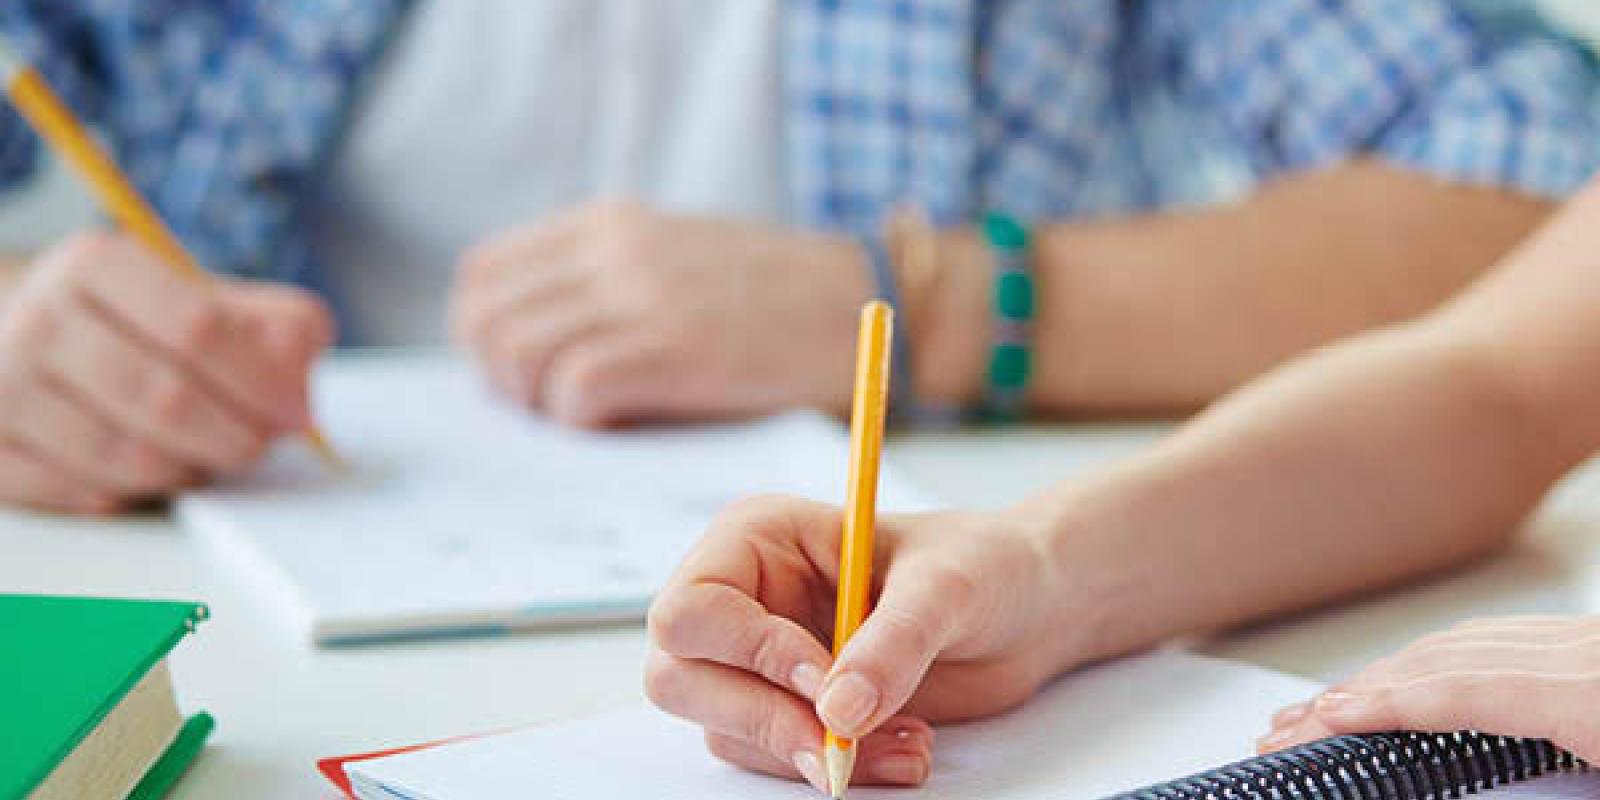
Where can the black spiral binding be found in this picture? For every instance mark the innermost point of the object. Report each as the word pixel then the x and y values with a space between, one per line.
pixel 1381 766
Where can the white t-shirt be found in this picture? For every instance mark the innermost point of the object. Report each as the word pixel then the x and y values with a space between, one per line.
pixel 489 113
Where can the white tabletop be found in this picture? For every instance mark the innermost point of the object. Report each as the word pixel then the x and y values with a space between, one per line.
pixel 280 704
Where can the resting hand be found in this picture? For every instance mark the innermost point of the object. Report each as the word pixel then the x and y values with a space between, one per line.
pixel 120 381
pixel 965 625
pixel 1533 676
pixel 616 313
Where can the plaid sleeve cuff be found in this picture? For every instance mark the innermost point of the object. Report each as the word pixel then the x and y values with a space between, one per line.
pixel 1526 118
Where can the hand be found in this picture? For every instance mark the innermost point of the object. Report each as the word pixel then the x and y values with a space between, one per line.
pixel 120 381
pixel 615 313
pixel 965 626
pixel 1536 677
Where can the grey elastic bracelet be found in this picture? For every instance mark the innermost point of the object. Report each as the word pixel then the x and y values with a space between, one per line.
pixel 885 288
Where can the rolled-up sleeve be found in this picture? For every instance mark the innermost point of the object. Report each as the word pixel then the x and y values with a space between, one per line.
pixel 58 38
pixel 1499 100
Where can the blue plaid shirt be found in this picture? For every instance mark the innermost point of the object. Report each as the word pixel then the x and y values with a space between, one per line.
pixel 224 110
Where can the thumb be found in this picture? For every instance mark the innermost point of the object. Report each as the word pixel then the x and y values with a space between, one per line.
pixel 884 663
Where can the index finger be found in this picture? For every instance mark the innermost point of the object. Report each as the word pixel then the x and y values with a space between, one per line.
pixel 743 596
pixel 502 253
pixel 186 319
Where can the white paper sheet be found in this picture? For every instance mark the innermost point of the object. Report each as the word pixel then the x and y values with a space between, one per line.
pixel 1108 730
pixel 1113 728
pixel 464 514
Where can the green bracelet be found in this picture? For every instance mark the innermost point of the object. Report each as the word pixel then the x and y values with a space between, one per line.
pixel 1011 354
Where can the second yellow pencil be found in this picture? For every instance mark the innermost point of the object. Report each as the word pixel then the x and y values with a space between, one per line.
pixel 67 136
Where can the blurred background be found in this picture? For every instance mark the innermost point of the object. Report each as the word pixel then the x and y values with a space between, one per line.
pixel 55 205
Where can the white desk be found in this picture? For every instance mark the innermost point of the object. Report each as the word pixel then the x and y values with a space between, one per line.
pixel 280 705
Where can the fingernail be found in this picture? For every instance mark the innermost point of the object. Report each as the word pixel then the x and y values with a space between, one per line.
pixel 807 680
pixel 903 770
pixel 1339 704
pixel 847 703
pixel 1291 715
pixel 810 768
pixel 1275 740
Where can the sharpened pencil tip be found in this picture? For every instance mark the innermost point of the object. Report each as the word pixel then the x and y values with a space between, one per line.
pixel 840 761
pixel 325 452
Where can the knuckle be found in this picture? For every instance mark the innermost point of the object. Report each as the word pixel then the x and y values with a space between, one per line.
pixel 526 356
pixel 245 452
pixel 142 468
pixel 742 511
pixel 954 587
pixel 755 511
pixel 169 399
pixel 766 723
pixel 671 622
pixel 768 655
pixel 202 328
pixel 913 631
pixel 663 682
pixel 302 316
pixel 585 382
pixel 29 327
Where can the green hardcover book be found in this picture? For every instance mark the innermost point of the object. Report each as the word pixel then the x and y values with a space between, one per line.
pixel 87 709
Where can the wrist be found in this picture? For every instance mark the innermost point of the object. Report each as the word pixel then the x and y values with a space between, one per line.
pixel 1098 596
pixel 1069 615
pixel 948 318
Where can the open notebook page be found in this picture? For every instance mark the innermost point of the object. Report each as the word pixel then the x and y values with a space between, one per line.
pixel 1093 735
pixel 1108 729
pixel 464 513
pixel 1101 732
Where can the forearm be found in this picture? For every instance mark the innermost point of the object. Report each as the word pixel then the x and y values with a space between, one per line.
pixel 1167 312
pixel 1394 456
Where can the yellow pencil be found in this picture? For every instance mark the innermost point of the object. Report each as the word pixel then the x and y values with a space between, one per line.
pixel 861 507
pixel 60 128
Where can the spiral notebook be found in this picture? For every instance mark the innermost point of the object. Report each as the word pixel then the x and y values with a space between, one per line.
pixel 1092 735
pixel 1393 766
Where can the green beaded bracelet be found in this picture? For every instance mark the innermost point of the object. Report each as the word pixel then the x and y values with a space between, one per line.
pixel 1011 355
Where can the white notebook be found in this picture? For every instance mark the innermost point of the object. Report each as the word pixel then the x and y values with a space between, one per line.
pixel 1111 729
pixel 465 515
